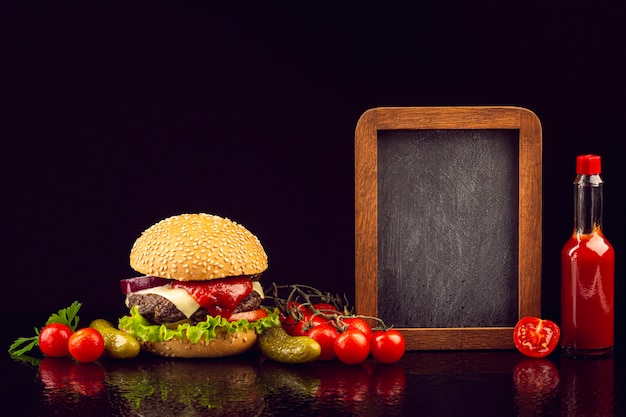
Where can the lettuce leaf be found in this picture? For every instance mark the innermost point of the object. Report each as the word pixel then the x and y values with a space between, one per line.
pixel 141 329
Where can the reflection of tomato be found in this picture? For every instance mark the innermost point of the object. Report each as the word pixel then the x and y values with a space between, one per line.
pixel 348 384
pixel 535 337
pixel 389 383
pixel 63 373
pixel 87 378
pixel 55 372
pixel 535 382
pixel 535 376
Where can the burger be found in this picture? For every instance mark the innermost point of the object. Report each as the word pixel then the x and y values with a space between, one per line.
pixel 199 294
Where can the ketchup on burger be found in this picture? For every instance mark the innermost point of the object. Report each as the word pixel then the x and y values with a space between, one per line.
pixel 200 294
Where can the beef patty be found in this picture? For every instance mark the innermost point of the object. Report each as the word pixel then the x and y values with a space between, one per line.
pixel 159 310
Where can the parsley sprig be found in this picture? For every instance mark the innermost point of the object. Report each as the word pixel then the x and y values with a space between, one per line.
pixel 67 316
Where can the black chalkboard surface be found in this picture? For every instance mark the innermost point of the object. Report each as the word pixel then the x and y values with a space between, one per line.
pixel 448 222
pixel 435 206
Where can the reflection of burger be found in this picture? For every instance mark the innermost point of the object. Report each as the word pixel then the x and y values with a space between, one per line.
pixel 200 295
pixel 160 387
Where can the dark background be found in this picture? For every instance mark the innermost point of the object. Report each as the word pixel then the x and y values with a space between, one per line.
pixel 116 115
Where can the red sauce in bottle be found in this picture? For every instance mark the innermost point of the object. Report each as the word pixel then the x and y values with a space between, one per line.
pixel 587 271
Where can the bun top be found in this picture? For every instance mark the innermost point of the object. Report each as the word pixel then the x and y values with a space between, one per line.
pixel 197 247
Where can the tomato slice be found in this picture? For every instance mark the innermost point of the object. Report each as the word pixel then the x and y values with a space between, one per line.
pixel 535 337
pixel 252 315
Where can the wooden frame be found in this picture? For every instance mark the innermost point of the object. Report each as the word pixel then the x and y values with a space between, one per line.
pixel 366 215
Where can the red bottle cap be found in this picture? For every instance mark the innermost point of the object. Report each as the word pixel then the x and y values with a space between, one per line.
pixel 588 164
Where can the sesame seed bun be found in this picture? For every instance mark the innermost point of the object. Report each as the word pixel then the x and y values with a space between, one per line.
pixel 197 247
pixel 224 344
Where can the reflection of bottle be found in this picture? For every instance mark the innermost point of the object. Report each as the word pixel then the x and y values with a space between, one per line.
pixel 587 268
pixel 587 387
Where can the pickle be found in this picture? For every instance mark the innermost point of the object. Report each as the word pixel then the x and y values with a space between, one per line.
pixel 117 344
pixel 277 345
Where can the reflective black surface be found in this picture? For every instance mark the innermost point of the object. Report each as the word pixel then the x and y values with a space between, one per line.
pixel 493 383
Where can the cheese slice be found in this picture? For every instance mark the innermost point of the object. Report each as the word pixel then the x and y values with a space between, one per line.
pixel 256 286
pixel 179 297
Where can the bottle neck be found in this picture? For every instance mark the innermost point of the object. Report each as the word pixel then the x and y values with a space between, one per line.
pixel 587 204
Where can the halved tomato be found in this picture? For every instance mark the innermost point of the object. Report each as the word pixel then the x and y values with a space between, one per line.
pixel 535 337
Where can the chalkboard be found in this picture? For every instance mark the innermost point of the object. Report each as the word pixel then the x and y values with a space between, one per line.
pixel 448 222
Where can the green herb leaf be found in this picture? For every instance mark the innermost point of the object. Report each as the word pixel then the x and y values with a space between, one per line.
pixel 24 344
pixel 68 316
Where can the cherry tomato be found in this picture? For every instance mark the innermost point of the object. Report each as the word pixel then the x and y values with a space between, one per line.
pixel 53 339
pixel 253 315
pixel 359 324
pixel 292 316
pixel 535 337
pixel 325 308
pixel 352 346
pixel 316 320
pixel 325 334
pixel 302 327
pixel 86 345
pixel 388 346
pixel 308 322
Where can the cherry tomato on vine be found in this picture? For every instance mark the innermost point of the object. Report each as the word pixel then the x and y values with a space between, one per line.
pixel 53 339
pixel 86 345
pixel 302 327
pixel 316 320
pixel 388 346
pixel 535 337
pixel 292 315
pixel 359 324
pixel 325 308
pixel 325 334
pixel 352 346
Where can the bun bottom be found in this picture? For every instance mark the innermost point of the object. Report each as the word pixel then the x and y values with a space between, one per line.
pixel 224 344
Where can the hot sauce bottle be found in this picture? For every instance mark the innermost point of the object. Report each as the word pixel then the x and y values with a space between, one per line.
pixel 587 270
